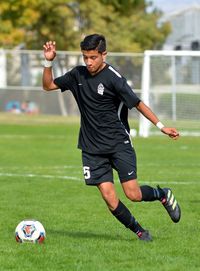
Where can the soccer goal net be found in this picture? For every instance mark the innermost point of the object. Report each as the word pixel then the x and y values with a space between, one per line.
pixel 171 87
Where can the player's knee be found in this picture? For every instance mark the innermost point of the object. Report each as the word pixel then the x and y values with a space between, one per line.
pixel 134 195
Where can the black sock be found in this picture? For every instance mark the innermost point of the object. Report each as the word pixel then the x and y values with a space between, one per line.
pixel 123 214
pixel 151 194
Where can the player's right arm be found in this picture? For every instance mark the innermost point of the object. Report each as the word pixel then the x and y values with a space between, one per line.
pixel 49 54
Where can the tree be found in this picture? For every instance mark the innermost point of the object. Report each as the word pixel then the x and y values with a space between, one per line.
pixel 126 24
pixel 32 22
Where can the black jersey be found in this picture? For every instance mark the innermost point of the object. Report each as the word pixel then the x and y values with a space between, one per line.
pixel 103 100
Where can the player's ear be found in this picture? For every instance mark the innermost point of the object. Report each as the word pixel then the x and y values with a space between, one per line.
pixel 104 54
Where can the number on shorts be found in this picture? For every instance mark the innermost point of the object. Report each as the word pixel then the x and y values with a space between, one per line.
pixel 86 172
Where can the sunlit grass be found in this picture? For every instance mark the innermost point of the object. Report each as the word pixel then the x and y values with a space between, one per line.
pixel 41 178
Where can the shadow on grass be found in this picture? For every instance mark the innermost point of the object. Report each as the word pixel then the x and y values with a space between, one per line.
pixel 194 201
pixel 88 235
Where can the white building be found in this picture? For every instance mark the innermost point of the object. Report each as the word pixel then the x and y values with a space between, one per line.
pixel 185 33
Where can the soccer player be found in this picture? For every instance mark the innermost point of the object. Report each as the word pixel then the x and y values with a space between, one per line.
pixel 103 97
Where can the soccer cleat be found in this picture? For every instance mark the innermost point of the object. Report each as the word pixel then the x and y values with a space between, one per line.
pixel 144 236
pixel 171 205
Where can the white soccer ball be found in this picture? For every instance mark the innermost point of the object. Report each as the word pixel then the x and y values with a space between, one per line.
pixel 30 231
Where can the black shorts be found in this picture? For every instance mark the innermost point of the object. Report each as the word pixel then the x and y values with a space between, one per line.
pixel 99 168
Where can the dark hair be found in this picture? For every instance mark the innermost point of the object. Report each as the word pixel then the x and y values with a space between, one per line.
pixel 94 42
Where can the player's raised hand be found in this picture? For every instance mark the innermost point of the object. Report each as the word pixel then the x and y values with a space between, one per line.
pixel 50 50
pixel 171 132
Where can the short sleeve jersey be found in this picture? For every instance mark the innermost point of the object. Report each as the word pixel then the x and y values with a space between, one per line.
pixel 103 100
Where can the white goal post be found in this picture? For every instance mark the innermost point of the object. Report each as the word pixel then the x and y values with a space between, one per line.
pixel 171 87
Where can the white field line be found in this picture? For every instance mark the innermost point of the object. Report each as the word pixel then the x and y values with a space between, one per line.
pixel 77 167
pixel 30 175
pixel 60 137
pixel 8 136
pixel 182 133
pixel 39 167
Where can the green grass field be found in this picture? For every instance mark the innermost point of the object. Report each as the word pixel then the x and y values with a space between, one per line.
pixel 41 178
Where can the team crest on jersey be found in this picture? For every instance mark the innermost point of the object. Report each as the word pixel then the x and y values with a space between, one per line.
pixel 100 89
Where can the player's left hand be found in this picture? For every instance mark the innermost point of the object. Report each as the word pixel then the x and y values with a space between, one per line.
pixel 171 132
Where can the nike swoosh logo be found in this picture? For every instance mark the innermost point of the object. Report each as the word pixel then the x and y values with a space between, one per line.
pixel 129 173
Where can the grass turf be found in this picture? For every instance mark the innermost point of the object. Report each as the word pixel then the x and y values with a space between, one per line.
pixel 41 178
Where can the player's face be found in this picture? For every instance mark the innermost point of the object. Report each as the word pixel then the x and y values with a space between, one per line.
pixel 94 61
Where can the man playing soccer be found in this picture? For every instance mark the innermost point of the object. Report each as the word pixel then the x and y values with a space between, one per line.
pixel 103 97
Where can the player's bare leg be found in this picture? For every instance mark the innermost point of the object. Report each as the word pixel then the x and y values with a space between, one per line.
pixel 109 195
pixel 134 192
pixel 121 212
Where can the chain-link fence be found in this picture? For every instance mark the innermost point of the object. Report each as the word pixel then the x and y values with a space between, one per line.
pixel 21 80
